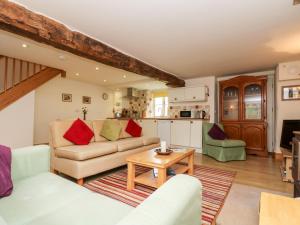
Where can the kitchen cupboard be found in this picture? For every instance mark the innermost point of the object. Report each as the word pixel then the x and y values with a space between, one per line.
pixel 176 94
pixel 149 127
pixel 243 102
pixel 196 134
pixel 180 132
pixel 194 94
pixel 164 131
pixel 188 94
pixel 177 133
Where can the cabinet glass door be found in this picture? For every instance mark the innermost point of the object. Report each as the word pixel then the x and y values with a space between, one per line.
pixel 231 103
pixel 253 102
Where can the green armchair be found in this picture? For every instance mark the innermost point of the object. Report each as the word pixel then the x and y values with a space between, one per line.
pixel 222 150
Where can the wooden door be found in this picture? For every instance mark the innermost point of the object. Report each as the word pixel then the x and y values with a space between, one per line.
pixel 232 130
pixel 230 102
pixel 253 107
pixel 254 134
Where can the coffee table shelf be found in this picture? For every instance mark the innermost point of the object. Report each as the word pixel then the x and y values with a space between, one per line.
pixel 149 179
pixel 151 159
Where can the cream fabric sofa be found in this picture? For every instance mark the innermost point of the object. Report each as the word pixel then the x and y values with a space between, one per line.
pixel 80 161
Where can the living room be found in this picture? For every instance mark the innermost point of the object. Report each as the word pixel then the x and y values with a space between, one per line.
pixel 110 109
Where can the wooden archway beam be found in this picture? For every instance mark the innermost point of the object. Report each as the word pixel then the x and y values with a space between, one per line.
pixel 19 20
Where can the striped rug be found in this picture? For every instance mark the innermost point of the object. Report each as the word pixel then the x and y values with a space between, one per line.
pixel 216 185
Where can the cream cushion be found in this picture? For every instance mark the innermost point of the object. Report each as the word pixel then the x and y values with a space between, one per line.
pixel 129 143
pixel 97 125
pixel 150 140
pixel 59 127
pixel 123 124
pixel 84 152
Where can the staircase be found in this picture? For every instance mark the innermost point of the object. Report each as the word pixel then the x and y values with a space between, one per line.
pixel 19 77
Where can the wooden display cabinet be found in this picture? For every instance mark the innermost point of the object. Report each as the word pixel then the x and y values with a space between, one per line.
pixel 243 111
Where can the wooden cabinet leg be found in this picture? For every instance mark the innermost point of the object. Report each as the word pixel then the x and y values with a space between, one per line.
pixel 191 164
pixel 80 181
pixel 130 176
pixel 162 176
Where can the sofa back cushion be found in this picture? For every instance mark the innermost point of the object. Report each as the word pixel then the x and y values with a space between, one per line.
pixel 124 134
pixel 111 130
pixel 97 126
pixel 59 127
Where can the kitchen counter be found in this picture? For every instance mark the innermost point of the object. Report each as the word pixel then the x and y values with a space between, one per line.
pixel 161 118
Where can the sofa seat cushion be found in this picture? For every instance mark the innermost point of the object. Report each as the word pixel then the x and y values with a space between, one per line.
pixel 226 143
pixel 150 140
pixel 129 143
pixel 48 199
pixel 84 152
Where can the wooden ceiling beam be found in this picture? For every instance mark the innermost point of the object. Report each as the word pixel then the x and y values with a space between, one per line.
pixel 19 20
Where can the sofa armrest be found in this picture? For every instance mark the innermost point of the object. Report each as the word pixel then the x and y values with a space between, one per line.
pixel 29 161
pixel 177 202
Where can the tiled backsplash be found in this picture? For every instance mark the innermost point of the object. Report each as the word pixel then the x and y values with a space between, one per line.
pixel 143 106
pixel 174 110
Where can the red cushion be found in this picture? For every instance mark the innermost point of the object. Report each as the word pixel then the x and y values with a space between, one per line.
pixel 133 129
pixel 79 133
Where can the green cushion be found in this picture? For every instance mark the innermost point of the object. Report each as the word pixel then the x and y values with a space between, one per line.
pixel 226 143
pixel 111 130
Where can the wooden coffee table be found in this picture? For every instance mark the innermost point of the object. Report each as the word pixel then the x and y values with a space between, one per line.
pixel 151 159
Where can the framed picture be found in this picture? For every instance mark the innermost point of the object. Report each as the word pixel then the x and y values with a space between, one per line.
pixel 86 100
pixel 66 97
pixel 290 92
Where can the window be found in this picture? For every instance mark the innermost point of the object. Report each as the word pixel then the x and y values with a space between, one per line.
pixel 160 106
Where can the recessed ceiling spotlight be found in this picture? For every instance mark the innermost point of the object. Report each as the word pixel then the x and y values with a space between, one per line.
pixel 61 57
pixel 97 68
pixel 77 74
pixel 104 80
pixel 24 45
pixel 124 76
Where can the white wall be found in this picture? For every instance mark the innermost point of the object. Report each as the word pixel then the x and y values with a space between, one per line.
pixel 49 105
pixel 210 82
pixel 16 122
pixel 285 109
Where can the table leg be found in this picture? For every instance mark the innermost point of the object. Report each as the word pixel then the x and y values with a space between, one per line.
pixel 191 164
pixel 130 176
pixel 162 176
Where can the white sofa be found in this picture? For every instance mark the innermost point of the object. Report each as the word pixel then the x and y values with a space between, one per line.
pixel 43 198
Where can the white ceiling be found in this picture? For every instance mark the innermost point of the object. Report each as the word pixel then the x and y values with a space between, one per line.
pixel 11 45
pixel 188 38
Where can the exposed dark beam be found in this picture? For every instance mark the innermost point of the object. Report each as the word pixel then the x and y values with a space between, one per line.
pixel 19 20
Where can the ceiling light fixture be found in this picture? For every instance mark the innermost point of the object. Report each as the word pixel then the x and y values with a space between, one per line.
pixel 97 68
pixel 77 74
pixel 104 80
pixel 24 45
pixel 124 76
pixel 61 57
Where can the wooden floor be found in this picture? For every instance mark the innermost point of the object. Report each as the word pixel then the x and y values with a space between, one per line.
pixel 255 171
